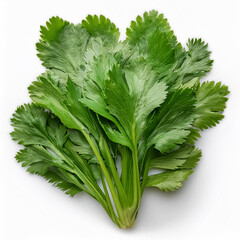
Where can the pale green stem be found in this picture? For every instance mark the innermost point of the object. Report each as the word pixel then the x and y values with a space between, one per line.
pixel 114 217
pixel 146 169
pixel 136 180
pixel 107 177
pixel 115 175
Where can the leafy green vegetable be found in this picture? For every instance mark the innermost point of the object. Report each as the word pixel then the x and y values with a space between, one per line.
pixel 168 180
pixel 139 102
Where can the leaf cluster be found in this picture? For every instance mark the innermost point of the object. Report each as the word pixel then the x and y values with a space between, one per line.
pixel 139 102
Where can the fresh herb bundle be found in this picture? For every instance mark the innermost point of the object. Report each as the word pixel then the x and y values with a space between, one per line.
pixel 137 102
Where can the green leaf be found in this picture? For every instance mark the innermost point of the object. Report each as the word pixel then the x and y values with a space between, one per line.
pixel 95 170
pixel 161 54
pixel 64 105
pixel 197 60
pixel 139 80
pixel 168 140
pixel 53 27
pixel 78 109
pixel 40 161
pixel 113 133
pixel 65 52
pixel 57 131
pixel 29 122
pixel 57 78
pixel 185 157
pixel 211 101
pixel 36 158
pixel 44 93
pixel 95 84
pixel 193 158
pixel 59 180
pixel 101 27
pixel 132 97
pixel 119 99
pixel 48 146
pixel 169 127
pixel 190 65
pixel 81 145
pixel 125 53
pixel 146 91
pixel 34 126
pixel 168 180
pixel 143 27
pixel 99 68
pixel 193 135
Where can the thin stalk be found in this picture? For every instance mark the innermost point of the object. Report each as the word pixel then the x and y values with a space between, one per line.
pixel 107 177
pixel 136 184
pixel 118 184
pixel 114 216
pixel 136 180
pixel 80 161
pixel 96 194
pixel 75 181
pixel 126 164
pixel 146 169
pixel 145 175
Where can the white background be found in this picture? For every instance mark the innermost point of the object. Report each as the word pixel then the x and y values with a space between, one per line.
pixel 207 207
